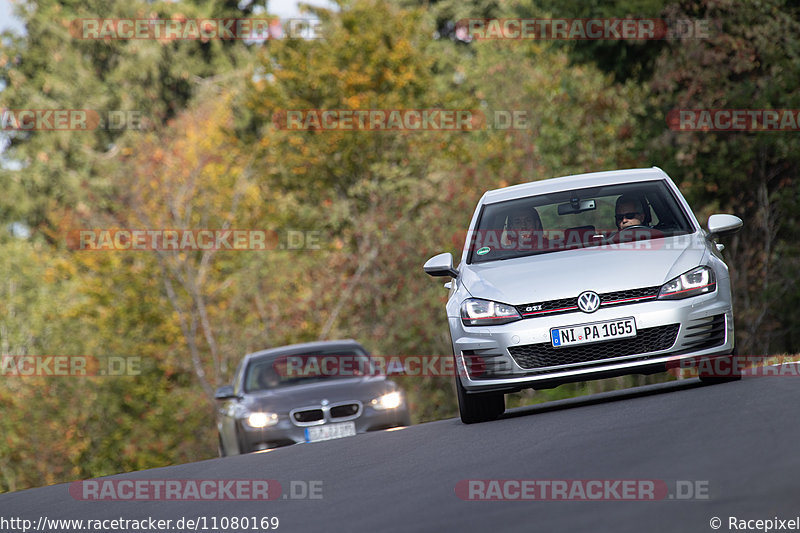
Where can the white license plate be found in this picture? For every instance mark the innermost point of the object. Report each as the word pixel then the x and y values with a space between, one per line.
pixel 330 431
pixel 593 332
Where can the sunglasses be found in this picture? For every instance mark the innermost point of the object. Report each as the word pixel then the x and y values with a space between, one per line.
pixel 630 216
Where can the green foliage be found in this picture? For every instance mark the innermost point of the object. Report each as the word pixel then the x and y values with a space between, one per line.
pixel 752 62
pixel 53 68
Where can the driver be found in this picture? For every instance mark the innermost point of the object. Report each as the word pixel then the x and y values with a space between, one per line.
pixel 630 211
pixel 267 378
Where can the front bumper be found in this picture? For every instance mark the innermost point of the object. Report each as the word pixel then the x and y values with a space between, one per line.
pixel 519 355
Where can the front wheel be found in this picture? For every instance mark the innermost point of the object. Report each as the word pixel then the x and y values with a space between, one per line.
pixel 732 372
pixel 481 407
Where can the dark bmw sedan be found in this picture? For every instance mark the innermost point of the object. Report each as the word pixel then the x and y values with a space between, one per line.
pixel 305 393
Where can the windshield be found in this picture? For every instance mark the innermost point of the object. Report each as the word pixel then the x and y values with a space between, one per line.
pixel 576 219
pixel 276 371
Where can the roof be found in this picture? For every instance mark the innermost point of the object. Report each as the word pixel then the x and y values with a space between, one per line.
pixel 303 348
pixel 577 181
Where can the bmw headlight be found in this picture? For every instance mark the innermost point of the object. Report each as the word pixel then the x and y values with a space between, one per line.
pixel 477 312
pixel 700 280
pixel 391 400
pixel 260 420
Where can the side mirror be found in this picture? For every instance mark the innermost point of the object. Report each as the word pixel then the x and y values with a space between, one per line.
pixel 721 225
pixel 440 265
pixel 224 393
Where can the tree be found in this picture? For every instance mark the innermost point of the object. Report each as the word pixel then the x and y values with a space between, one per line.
pixel 752 62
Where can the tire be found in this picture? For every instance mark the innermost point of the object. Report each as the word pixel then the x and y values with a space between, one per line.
pixel 481 407
pixel 240 444
pixel 735 375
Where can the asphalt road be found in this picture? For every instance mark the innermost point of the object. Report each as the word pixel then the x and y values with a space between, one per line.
pixel 735 445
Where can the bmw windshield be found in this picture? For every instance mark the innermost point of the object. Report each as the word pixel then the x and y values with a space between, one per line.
pixel 576 219
pixel 275 372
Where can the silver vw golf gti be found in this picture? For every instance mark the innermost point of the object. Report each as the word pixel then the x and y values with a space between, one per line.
pixel 583 277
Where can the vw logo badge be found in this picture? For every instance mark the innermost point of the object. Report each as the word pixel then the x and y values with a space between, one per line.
pixel 588 301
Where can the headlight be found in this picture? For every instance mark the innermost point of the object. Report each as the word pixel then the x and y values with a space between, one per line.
pixel 476 312
pixel 261 420
pixel 391 400
pixel 701 280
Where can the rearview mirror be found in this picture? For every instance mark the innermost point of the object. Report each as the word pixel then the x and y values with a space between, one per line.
pixel 576 207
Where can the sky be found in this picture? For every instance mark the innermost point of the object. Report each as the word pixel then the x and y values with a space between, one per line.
pixel 282 8
pixel 7 21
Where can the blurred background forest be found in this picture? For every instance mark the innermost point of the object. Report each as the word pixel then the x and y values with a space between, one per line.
pixel 209 156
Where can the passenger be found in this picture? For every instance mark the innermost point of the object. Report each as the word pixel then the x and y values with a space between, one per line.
pixel 523 229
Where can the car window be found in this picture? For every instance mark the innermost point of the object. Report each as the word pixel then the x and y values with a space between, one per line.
pixel 572 219
pixel 277 371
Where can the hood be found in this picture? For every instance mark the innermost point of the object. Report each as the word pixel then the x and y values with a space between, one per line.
pixel 362 389
pixel 568 273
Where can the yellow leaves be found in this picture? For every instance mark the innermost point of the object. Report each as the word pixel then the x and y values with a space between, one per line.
pixel 402 49
pixel 356 79
pixel 353 102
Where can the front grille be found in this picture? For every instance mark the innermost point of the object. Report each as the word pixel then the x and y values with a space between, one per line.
pixel 344 411
pixel 537 356
pixel 705 333
pixel 628 296
pixel 310 415
pixel 568 305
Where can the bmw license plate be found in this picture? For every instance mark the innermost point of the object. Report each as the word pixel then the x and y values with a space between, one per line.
pixel 330 431
pixel 593 332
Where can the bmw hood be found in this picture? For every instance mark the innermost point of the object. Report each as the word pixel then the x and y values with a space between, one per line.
pixel 566 274
pixel 333 390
